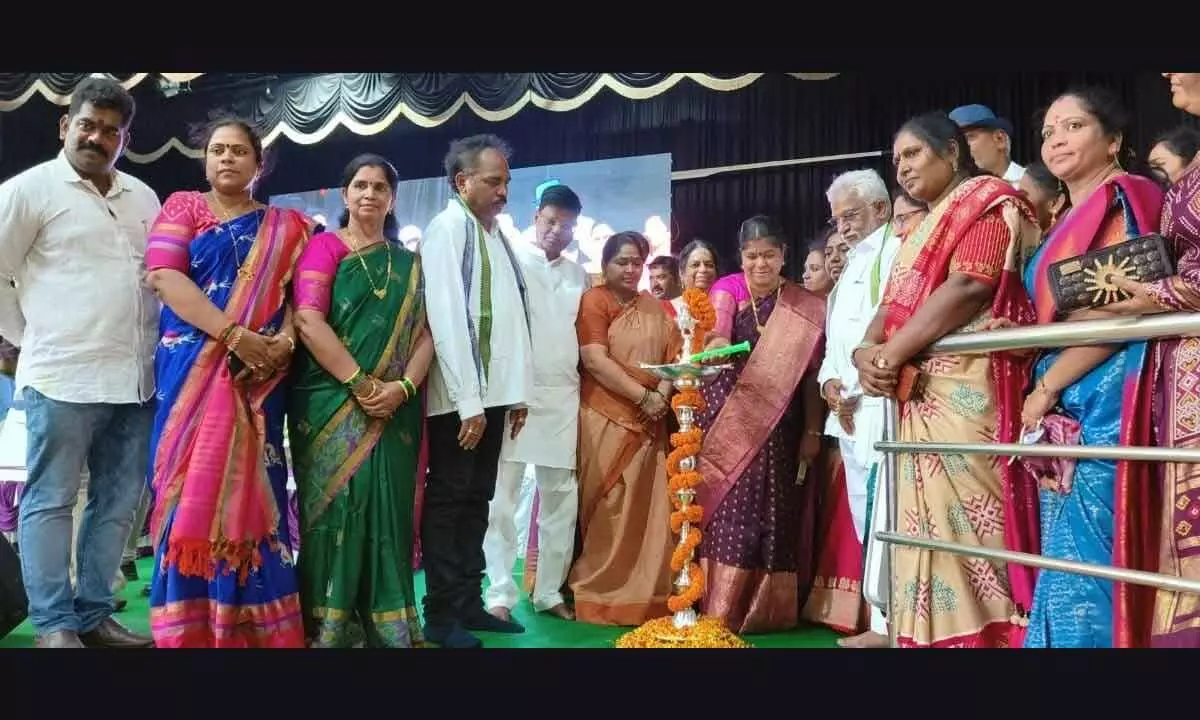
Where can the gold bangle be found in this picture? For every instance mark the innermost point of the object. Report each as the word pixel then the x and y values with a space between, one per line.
pixel 350 380
pixel 291 342
pixel 238 332
pixel 224 336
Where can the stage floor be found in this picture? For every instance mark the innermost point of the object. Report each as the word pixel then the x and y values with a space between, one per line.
pixel 541 630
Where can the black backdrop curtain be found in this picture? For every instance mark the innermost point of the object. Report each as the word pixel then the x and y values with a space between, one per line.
pixel 776 118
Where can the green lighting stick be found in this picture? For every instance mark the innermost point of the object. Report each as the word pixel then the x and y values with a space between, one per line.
pixel 742 347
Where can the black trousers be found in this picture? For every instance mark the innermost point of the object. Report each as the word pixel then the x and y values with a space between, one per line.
pixel 454 518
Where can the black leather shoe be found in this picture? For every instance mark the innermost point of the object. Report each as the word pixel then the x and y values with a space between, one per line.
pixel 484 621
pixel 129 570
pixel 451 635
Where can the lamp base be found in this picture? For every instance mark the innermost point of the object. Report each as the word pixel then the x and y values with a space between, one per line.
pixel 661 632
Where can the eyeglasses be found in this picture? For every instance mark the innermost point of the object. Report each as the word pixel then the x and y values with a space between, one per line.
pixel 847 217
pixel 903 218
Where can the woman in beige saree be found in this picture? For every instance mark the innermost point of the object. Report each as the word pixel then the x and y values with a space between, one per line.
pixel 622 575
pixel 956 272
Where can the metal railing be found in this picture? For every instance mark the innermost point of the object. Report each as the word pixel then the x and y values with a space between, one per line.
pixel 1054 335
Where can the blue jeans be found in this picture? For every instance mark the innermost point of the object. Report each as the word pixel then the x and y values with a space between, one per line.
pixel 6 395
pixel 113 442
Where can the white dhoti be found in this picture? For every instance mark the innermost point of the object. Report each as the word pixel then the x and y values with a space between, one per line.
pixel 858 464
pixel 558 506
pixel 547 446
pixel 876 568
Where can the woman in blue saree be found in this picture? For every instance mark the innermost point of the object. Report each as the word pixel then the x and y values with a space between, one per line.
pixel 1093 511
pixel 222 265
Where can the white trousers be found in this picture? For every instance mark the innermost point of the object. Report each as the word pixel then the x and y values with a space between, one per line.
pixel 856 491
pixel 558 506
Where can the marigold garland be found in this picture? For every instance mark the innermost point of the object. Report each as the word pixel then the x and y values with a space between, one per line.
pixel 701 310
pixel 661 633
pixel 707 632
pixel 686 445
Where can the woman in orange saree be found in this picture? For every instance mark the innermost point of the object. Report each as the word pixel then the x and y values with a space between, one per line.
pixel 954 273
pixel 622 575
pixel 698 268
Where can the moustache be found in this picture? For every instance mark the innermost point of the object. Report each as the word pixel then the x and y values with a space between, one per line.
pixel 94 148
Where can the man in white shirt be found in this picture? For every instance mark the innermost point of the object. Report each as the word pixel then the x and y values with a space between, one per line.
pixel 72 247
pixel 549 440
pixel 861 210
pixel 990 138
pixel 477 304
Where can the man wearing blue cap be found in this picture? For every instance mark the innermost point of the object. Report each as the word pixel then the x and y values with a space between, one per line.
pixel 990 138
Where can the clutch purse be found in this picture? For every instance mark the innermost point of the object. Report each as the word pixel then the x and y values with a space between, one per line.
pixel 910 385
pixel 1084 281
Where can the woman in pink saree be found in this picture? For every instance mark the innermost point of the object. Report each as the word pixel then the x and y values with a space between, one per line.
pixel 763 423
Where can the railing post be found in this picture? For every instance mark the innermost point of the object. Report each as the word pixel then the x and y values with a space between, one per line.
pixel 891 475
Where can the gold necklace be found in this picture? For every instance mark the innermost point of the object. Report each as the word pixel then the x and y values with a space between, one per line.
pixel 380 293
pixel 229 215
pixel 754 308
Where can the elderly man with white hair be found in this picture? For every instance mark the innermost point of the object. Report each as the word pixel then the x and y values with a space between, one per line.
pixel 862 208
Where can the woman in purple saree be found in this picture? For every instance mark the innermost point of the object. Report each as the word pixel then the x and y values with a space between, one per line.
pixel 759 524
pixel 1175 367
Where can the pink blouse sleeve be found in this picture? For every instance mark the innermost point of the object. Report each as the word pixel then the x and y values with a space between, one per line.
pixel 174 228
pixel 724 298
pixel 315 271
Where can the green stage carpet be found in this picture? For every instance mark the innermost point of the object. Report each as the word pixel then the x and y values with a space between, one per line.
pixel 541 630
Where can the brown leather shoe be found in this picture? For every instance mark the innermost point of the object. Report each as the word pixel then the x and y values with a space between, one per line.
pixel 58 639
pixel 112 634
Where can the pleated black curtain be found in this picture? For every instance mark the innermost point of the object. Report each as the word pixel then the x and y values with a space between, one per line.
pixel 777 117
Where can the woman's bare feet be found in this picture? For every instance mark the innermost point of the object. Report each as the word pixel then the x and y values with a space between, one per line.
pixel 868 639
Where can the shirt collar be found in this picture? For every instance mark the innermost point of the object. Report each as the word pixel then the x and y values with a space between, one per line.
pixel 874 240
pixel 66 173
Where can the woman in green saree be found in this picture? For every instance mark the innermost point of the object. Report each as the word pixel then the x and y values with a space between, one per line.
pixel 355 419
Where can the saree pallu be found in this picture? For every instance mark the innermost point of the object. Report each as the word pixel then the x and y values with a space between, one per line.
pixel 759 526
pixel 622 575
pixel 1104 512
pixel 356 475
pixel 1177 396
pixel 983 230
pixel 836 598
pixel 223 573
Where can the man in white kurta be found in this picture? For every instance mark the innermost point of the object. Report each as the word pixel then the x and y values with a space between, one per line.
pixel 476 302
pixel 861 208
pixel 548 442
